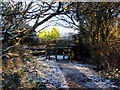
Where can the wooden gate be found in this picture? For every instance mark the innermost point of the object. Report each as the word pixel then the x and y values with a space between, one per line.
pixel 59 47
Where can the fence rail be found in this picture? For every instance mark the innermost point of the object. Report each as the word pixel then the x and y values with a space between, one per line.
pixel 59 47
pixel 54 48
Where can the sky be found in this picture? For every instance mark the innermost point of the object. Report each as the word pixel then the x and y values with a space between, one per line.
pixel 52 23
pixel 62 31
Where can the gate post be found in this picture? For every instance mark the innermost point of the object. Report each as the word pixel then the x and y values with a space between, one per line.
pixel 56 49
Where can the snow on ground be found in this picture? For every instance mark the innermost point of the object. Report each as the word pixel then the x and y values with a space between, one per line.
pixel 101 82
pixel 59 57
pixel 54 78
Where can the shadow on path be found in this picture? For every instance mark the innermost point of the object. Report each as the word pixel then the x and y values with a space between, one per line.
pixel 73 77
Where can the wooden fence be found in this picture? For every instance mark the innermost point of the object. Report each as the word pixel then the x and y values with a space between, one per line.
pixel 54 48
pixel 59 47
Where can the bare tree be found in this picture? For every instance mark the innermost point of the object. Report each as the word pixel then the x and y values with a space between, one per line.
pixel 15 27
pixel 94 20
pixel 15 17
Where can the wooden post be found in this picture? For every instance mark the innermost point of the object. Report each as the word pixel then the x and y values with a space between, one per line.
pixel 49 52
pixel 46 53
pixel 68 52
pixel 63 51
pixel 56 49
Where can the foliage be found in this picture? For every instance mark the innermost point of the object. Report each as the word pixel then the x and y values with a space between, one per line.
pixel 16 28
pixel 106 57
pixel 30 39
pixel 12 28
pixel 97 22
pixel 17 60
pixel 54 34
pixel 19 68
pixel 42 34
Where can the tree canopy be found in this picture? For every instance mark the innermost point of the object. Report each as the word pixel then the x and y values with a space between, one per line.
pixel 16 28
pixel 97 23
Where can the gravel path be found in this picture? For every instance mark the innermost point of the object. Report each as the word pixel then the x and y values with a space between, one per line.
pixel 64 74
pixel 74 78
pixel 51 74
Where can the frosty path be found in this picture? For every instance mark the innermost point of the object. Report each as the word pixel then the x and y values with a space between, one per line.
pixel 74 77
pixel 64 74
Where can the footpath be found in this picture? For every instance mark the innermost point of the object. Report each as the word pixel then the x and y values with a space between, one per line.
pixel 64 74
